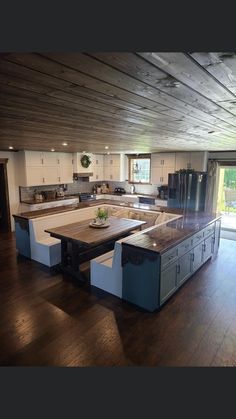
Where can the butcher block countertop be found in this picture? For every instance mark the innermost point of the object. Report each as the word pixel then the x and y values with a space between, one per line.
pixel 162 238
pixel 50 211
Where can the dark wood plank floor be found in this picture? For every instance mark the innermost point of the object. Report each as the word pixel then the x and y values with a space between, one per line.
pixel 48 320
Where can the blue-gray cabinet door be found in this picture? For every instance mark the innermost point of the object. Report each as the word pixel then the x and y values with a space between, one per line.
pixel 197 257
pixel 208 248
pixel 168 283
pixel 184 268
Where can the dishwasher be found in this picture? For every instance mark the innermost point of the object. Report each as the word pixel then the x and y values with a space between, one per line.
pixel 146 200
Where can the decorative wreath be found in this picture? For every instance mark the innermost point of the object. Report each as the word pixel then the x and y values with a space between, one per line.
pixel 85 161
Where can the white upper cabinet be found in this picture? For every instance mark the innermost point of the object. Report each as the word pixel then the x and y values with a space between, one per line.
pixel 182 161
pixel 163 159
pixel 33 158
pixel 98 168
pixel 114 167
pixel 196 160
pixel 50 159
pixel 65 159
pixel 161 165
pixel 45 168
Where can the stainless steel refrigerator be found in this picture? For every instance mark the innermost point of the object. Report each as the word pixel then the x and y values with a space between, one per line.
pixel 187 190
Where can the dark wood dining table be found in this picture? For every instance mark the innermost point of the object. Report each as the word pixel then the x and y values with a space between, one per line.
pixel 80 242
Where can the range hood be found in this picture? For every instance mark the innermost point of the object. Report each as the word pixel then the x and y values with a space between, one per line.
pixel 79 175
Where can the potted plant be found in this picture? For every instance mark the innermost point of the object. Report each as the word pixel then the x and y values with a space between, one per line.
pixel 102 215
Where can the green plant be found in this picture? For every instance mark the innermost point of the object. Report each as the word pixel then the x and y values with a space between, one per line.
pixel 102 213
pixel 85 161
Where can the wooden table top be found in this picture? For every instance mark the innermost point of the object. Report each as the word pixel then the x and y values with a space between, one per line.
pixel 82 232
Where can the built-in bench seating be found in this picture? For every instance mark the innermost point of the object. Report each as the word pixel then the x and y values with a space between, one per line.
pixel 106 270
pixel 47 250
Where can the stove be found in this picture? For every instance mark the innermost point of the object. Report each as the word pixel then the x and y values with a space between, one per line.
pixel 86 196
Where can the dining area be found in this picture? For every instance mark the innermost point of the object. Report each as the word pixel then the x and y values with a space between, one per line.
pixel 83 240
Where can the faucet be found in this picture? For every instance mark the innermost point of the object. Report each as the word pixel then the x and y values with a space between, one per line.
pixel 132 189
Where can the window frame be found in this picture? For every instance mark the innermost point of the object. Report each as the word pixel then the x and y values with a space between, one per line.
pixel 138 157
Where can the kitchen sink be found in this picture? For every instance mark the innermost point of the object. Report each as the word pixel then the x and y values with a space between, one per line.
pixel 130 195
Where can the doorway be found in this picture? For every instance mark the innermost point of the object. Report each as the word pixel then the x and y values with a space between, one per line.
pixel 5 219
pixel 226 200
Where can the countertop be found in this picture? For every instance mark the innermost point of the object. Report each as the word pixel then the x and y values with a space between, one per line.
pixel 49 211
pixel 35 202
pixel 163 237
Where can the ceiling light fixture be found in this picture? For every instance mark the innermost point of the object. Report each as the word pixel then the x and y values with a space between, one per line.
pixel 52 149
pixel 106 147
pixel 10 148
pixel 64 144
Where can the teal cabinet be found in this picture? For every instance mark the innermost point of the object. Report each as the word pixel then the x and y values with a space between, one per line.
pixel 197 257
pixel 168 283
pixel 149 282
pixel 184 268
pixel 208 248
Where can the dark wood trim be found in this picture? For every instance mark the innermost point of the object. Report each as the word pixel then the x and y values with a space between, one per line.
pixel 227 162
pixel 6 218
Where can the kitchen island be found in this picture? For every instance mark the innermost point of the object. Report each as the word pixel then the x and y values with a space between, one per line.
pixel 157 262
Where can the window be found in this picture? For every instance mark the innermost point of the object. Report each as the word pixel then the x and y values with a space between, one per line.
pixel 139 169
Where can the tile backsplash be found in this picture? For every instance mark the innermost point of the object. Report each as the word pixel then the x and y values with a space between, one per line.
pixel 85 186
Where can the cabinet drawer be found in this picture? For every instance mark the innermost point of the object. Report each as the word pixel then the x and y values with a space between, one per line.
pixel 209 230
pixel 197 237
pixel 169 257
pixel 184 247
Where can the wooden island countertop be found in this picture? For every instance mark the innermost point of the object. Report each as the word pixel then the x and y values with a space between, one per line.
pixel 163 237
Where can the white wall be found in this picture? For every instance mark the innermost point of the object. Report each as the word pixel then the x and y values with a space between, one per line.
pixel 13 188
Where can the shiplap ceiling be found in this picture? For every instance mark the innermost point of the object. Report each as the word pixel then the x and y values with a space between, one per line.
pixel 131 102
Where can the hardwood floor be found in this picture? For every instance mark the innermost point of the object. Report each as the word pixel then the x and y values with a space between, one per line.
pixel 48 320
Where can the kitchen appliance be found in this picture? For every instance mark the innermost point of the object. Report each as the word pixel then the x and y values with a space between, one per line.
pixel 132 189
pixel 163 192
pixel 187 190
pixel 119 191
pixel 86 196
pixel 146 200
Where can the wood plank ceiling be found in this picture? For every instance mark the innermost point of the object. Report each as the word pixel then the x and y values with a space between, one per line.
pixel 131 102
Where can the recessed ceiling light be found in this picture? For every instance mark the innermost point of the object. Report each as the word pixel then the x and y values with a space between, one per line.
pixel 65 144
pixel 106 147
pixel 52 149
pixel 10 148
pixel 108 152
